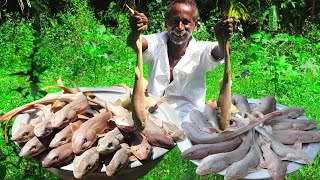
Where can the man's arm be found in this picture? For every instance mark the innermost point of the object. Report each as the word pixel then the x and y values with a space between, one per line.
pixel 138 24
pixel 223 30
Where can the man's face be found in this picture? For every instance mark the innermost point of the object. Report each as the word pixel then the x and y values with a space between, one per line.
pixel 181 24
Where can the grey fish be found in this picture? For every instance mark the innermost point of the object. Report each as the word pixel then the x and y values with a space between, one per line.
pixel 292 136
pixel 211 115
pixel 200 151
pixel 285 152
pixel 240 102
pixel 293 124
pixel 200 137
pixel 246 165
pixel 289 112
pixel 216 162
pixel 266 105
pixel 272 161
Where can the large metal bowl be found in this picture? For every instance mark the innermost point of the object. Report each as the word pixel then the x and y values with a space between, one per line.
pixel 135 169
pixel 311 149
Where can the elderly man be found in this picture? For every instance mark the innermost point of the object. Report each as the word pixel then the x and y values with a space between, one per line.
pixel 177 63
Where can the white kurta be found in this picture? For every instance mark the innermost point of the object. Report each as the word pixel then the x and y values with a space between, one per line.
pixel 188 88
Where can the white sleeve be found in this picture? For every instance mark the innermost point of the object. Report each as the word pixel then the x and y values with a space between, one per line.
pixel 148 54
pixel 208 61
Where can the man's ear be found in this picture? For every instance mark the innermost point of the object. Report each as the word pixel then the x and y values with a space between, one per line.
pixel 196 25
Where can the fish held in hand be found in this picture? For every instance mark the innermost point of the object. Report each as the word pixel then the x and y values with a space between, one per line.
pixel 224 100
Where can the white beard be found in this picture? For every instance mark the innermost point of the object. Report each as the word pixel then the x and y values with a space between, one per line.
pixel 179 37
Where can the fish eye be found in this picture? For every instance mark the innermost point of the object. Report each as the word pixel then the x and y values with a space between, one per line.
pixel 88 166
pixel 109 144
pixel 55 158
pixel 25 134
pixel 63 139
pixel 85 140
pixel 34 147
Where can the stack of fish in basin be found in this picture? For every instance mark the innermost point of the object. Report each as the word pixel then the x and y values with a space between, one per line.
pixel 81 130
pixel 242 138
pixel 258 136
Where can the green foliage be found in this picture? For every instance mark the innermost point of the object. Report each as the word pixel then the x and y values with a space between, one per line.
pixel 155 14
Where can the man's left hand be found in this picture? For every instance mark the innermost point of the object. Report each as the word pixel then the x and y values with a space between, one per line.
pixel 223 30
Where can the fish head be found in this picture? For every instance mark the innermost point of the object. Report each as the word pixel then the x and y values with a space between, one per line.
pixel 43 129
pixel 276 173
pixel 59 140
pixel 82 141
pixel 86 163
pixel 296 112
pixel 107 145
pixel 50 159
pixel 31 148
pixel 23 134
pixel 62 118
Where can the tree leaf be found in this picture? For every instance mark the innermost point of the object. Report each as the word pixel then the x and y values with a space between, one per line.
pixel 34 89
pixel 308 65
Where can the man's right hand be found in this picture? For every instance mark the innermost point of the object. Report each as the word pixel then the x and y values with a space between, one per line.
pixel 138 22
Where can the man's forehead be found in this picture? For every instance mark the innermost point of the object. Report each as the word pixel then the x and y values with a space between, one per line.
pixel 182 8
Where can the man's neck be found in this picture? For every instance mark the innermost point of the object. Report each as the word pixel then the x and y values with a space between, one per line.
pixel 176 51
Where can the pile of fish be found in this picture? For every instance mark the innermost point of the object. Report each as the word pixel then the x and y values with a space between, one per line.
pixel 82 129
pixel 258 136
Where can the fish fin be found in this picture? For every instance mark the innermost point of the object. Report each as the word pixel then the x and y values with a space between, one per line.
pixel 234 109
pixel 74 127
pixel 57 105
pixel 76 87
pixel 297 145
pixel 81 116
